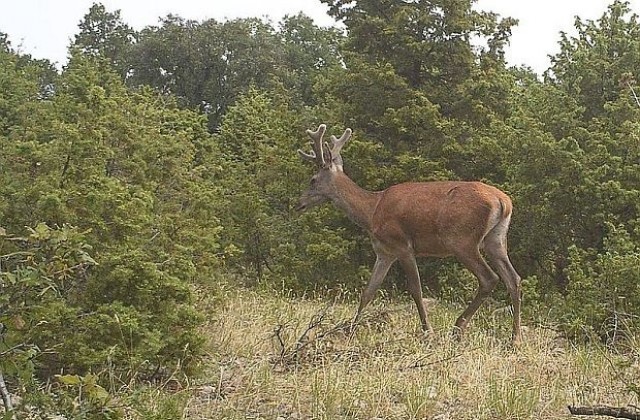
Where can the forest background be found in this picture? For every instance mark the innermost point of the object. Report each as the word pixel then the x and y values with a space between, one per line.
pixel 159 166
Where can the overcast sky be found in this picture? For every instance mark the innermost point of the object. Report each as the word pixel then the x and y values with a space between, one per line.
pixel 44 28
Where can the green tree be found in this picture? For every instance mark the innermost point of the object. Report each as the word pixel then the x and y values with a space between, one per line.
pixel 136 174
pixel 599 64
pixel 210 64
pixel 104 33
pixel 428 43
pixel 23 80
pixel 572 153
pixel 277 247
pixel 309 53
pixel 206 64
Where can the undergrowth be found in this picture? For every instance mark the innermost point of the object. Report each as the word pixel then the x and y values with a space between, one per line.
pixel 271 356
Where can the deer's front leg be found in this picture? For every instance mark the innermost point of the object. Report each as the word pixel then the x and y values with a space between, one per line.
pixel 380 270
pixel 415 289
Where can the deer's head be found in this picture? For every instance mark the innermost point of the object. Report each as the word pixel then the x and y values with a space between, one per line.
pixel 329 163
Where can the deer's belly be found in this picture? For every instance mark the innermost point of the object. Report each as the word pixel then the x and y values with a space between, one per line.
pixel 401 245
pixel 430 248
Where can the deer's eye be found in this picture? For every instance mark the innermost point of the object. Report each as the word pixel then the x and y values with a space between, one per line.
pixel 313 181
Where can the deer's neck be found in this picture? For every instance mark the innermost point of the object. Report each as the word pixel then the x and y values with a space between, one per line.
pixel 358 203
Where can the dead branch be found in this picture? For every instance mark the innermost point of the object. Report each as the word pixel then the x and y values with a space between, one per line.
pixel 277 333
pixel 418 364
pixel 634 93
pixel 628 412
pixel 304 340
pixel 311 335
pixel 6 397
pixel 12 349
pixel 319 328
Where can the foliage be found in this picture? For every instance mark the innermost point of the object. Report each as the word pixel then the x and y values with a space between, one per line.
pixel 600 64
pixel 133 173
pixel 258 135
pixel 209 64
pixel 82 397
pixel 104 34
pixel 426 43
pixel 41 285
pixel 603 301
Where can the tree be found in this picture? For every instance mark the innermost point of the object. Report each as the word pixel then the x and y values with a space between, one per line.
pixel 103 33
pixel 427 43
pixel 209 64
pixel 23 80
pixel 309 53
pixel 600 64
pixel 135 175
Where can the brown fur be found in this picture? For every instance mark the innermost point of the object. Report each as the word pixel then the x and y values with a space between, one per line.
pixel 414 219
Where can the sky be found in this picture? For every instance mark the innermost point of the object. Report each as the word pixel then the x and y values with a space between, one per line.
pixel 45 28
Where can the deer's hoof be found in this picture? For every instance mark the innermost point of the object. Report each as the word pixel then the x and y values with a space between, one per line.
pixel 457 333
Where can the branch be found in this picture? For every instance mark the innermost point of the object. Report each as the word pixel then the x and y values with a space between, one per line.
pixel 277 334
pixel 604 410
pixel 10 350
pixel 6 397
pixel 16 254
pixel 288 355
pixel 634 93
pixel 420 364
pixel 318 329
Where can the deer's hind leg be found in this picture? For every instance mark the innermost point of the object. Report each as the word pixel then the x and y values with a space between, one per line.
pixel 487 278
pixel 495 246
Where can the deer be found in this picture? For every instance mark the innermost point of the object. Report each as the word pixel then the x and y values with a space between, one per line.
pixel 441 219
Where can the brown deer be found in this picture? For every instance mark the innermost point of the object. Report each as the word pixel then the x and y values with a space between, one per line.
pixel 439 218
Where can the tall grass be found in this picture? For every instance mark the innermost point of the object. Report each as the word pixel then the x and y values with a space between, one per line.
pixel 275 357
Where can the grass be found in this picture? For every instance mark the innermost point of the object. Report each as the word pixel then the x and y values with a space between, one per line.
pixel 284 358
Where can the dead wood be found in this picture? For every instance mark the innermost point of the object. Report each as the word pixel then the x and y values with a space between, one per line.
pixel 314 342
pixel 629 412
pixel 6 397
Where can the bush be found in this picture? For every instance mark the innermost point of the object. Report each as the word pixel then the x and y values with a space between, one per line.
pixel 61 314
pixel 603 292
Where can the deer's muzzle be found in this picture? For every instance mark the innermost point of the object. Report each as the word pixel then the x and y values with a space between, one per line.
pixel 308 201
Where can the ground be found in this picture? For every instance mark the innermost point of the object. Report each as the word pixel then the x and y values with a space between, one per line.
pixel 276 357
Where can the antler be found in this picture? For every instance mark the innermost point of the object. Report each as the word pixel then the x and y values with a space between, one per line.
pixel 317 154
pixel 337 146
pixel 321 154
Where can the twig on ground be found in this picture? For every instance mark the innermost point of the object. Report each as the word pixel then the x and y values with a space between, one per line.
pixel 605 410
pixel 293 353
pixel 317 330
pixel 418 364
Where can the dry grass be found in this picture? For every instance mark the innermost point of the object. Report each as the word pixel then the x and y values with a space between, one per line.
pixel 267 362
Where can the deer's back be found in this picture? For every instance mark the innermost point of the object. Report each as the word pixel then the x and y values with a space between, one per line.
pixel 436 218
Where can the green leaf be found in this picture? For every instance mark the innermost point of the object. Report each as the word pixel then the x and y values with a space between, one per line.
pixel 71 380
